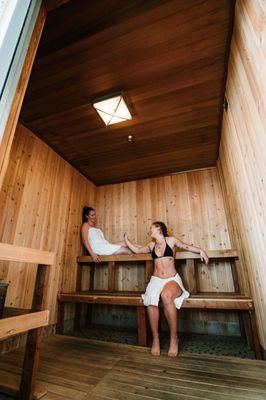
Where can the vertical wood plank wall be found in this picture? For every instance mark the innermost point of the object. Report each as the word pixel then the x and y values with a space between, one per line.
pixel 242 158
pixel 40 207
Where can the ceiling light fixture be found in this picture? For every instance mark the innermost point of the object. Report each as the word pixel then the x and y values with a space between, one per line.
pixel 113 110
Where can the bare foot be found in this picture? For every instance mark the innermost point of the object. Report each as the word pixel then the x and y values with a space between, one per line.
pixel 155 348
pixel 173 348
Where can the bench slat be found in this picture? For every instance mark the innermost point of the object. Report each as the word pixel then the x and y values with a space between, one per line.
pixel 225 303
pixel 180 255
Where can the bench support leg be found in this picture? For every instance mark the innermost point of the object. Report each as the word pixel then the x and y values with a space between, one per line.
pixel 32 350
pixel 255 336
pixel 77 316
pixel 89 314
pixel 142 328
pixel 111 276
pixel 60 318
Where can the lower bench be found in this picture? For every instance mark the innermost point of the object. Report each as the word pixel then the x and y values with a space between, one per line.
pixel 226 301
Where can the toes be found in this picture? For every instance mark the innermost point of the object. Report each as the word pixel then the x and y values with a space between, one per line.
pixel 172 354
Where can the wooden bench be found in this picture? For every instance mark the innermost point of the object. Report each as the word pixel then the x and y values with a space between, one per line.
pixel 32 321
pixel 235 301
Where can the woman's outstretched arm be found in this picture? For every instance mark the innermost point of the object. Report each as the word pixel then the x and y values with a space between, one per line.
pixel 193 249
pixel 84 235
pixel 137 248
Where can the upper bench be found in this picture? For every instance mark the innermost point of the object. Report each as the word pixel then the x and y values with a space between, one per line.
pixel 190 259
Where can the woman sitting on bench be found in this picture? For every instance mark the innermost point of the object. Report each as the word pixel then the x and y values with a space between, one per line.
pixel 165 282
pixel 94 240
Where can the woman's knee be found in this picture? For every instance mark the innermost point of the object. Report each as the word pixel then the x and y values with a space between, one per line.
pixel 167 297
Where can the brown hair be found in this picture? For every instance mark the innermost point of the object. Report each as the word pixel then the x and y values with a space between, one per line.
pixel 86 210
pixel 162 226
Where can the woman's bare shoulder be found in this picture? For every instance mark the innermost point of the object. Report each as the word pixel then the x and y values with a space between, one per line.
pixel 85 226
pixel 170 239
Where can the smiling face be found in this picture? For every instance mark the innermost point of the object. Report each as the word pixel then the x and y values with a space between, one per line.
pixel 92 217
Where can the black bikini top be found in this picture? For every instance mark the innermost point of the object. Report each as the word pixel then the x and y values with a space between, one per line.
pixel 168 252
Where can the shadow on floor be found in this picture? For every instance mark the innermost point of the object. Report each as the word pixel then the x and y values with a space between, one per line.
pixel 189 343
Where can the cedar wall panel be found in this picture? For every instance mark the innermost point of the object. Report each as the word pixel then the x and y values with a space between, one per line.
pixel 191 204
pixel 40 207
pixel 242 158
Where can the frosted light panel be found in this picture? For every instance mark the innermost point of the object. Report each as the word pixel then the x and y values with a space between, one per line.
pixel 113 110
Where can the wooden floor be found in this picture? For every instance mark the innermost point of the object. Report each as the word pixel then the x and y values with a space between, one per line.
pixel 76 368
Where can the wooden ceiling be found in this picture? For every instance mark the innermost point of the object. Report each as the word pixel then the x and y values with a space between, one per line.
pixel 170 60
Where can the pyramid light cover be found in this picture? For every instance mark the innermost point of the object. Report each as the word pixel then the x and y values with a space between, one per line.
pixel 113 110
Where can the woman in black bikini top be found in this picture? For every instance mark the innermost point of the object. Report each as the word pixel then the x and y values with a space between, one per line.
pixel 165 283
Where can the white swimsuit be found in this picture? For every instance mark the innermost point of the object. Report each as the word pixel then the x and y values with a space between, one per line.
pixel 99 244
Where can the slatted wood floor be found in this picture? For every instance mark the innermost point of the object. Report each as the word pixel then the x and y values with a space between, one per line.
pixel 83 369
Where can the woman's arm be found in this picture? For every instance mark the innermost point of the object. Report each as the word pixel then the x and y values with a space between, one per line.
pixel 137 248
pixel 84 235
pixel 193 249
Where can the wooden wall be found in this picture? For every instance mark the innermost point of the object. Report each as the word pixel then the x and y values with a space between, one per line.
pixel 242 159
pixel 40 207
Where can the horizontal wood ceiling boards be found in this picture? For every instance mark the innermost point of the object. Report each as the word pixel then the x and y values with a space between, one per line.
pixel 170 60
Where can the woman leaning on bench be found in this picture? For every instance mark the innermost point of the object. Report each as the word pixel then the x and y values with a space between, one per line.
pixel 94 240
pixel 165 282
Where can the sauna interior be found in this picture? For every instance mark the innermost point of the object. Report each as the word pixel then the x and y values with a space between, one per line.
pixel 191 153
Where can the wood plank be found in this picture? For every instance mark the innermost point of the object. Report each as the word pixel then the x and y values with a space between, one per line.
pixel 22 323
pixel 192 302
pixel 191 273
pixel 142 326
pixel 10 252
pixel 111 275
pixel 180 255
pixel 149 271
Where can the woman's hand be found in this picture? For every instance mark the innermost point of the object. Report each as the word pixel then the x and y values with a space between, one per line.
pixel 203 256
pixel 95 257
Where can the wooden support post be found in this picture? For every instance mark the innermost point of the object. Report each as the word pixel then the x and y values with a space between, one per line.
pixel 149 270
pixel 92 272
pixel 111 276
pixel 60 318
pixel 77 316
pixel 242 325
pixel 89 314
pixel 142 328
pixel 255 337
pixel 236 274
pixel 32 351
pixel 191 273
pixel 79 278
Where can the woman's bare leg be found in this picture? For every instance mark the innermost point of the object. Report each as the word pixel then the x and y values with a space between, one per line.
pixel 153 313
pixel 123 250
pixel 170 291
pixel 121 243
